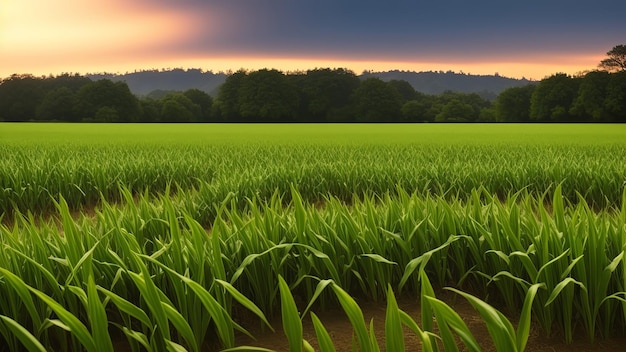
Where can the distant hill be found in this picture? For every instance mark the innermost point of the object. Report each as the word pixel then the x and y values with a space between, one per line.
pixel 143 83
pixel 434 83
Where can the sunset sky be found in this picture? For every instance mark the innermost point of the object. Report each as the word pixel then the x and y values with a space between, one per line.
pixel 530 38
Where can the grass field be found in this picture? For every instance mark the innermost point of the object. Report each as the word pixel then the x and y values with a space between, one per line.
pixel 167 236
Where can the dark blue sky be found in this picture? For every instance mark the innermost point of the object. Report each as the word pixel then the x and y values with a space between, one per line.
pixel 572 34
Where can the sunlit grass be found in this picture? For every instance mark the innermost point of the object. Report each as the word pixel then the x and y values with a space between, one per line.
pixel 188 229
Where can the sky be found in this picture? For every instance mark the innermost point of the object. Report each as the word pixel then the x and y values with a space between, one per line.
pixel 530 38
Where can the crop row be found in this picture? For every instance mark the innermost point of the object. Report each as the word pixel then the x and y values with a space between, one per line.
pixel 31 177
pixel 148 271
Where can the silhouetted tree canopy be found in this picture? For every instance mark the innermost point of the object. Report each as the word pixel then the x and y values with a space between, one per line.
pixel 319 95
pixel 513 104
pixel 616 60
pixel 552 98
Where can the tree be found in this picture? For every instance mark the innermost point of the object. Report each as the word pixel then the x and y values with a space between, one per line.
pixel 616 96
pixel 327 91
pixel 513 104
pixel 414 111
pixel 404 88
pixel 377 101
pixel 106 93
pixel 589 103
pixel 58 104
pixel 552 98
pixel 177 107
pixel 267 95
pixel 227 104
pixel 203 100
pixel 616 60
pixel 456 111
pixel 19 97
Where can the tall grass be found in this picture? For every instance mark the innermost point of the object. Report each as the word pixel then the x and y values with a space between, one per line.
pixel 149 271
pixel 84 162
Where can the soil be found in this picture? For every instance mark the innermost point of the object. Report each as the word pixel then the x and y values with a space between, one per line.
pixel 340 329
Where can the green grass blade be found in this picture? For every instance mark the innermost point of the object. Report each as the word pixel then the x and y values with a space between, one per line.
pixel 447 316
pixel 291 319
pixel 98 318
pixel 77 328
pixel 29 341
pixel 245 301
pixel 323 337
pixel 181 325
pixel 355 315
pixel 127 307
pixel 523 327
pixel 394 337
pixel 22 290
pixel 500 329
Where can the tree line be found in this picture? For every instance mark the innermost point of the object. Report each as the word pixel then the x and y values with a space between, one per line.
pixel 318 95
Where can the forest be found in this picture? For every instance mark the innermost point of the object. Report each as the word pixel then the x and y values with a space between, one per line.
pixel 317 95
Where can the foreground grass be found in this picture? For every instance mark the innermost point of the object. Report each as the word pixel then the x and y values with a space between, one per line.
pixel 136 269
pixel 193 228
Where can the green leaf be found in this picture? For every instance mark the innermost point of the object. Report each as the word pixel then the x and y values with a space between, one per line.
pixel 243 300
pixel 523 327
pixel 394 336
pixel 558 288
pixel 29 341
pixel 127 307
pixel 500 329
pixel 75 326
pixel 323 337
pixel 355 315
pixel 447 316
pixel 22 290
pixel 291 319
pixel 98 317
pixel 181 325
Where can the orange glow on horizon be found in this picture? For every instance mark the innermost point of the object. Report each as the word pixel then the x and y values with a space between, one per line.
pixel 51 37
pixel 131 63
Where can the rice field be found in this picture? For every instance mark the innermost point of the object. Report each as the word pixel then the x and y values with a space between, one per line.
pixel 181 237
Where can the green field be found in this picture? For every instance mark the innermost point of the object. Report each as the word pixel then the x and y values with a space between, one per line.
pixel 161 236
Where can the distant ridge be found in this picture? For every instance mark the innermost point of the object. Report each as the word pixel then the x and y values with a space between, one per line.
pixel 143 83
pixel 435 83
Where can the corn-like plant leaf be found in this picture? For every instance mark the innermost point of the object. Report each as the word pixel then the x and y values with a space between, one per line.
pixel 291 319
pixel 500 329
pixel 98 317
pixel 422 260
pixel 78 329
pixel 29 341
pixel 181 325
pixel 22 290
pixel 174 347
pixel 245 301
pixel 561 285
pixel 137 336
pixel 394 336
pixel 321 285
pixel 378 258
pixel 523 327
pixel 323 337
pixel 424 336
pixel 355 315
pixel 127 307
pixel 373 341
pixel 447 316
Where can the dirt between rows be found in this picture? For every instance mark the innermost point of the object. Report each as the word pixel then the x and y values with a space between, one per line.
pixel 341 331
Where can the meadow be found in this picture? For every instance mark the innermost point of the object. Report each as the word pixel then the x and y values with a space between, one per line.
pixel 173 237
